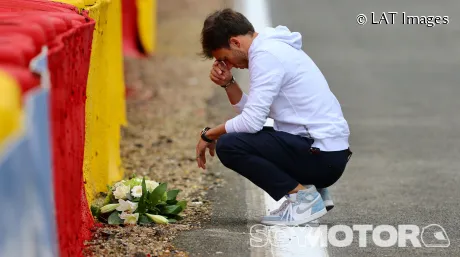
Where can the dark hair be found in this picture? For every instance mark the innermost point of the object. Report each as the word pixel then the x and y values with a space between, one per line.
pixel 219 27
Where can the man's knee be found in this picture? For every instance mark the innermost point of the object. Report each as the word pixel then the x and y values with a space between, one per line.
pixel 228 145
pixel 225 142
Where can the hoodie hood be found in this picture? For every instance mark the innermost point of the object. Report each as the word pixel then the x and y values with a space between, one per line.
pixel 282 34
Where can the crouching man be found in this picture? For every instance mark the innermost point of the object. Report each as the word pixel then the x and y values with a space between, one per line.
pixel 307 149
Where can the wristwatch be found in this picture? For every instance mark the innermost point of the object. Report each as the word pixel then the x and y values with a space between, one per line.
pixel 204 137
pixel 229 83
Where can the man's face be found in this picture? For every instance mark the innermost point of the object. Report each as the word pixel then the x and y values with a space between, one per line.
pixel 233 57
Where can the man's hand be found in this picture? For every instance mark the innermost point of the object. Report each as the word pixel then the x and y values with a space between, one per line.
pixel 201 152
pixel 220 74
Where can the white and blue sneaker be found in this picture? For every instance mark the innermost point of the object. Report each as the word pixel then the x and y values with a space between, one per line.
pixel 300 208
pixel 327 199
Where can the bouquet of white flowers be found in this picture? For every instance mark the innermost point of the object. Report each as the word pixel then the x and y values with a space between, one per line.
pixel 139 201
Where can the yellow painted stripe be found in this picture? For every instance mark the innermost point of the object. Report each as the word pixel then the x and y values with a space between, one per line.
pixel 106 101
pixel 77 3
pixel 147 23
pixel 10 107
pixel 105 104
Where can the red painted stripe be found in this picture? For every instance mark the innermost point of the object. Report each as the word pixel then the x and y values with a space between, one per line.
pixel 26 26
pixel 131 44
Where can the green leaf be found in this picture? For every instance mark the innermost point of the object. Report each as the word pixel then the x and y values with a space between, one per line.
pixel 142 205
pixel 129 183
pixel 109 198
pixel 96 211
pixel 172 209
pixel 172 220
pixel 171 202
pixel 172 194
pixel 143 219
pixel 183 204
pixel 114 219
pixel 133 182
pixel 157 194
pixel 154 210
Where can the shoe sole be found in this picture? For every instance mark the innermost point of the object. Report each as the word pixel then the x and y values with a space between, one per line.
pixel 328 204
pixel 313 217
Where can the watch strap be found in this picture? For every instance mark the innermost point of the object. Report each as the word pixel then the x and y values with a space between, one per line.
pixel 204 137
pixel 229 83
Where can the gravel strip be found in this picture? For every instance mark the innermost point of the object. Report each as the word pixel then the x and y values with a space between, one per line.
pixel 166 110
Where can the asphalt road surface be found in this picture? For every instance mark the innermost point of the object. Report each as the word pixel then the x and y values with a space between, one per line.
pixel 399 86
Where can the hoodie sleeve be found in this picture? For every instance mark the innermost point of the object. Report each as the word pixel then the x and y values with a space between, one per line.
pixel 266 77
pixel 238 107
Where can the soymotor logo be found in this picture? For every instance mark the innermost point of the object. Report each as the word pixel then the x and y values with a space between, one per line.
pixel 342 236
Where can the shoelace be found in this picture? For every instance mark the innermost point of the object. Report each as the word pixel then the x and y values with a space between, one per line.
pixel 288 211
pixel 281 208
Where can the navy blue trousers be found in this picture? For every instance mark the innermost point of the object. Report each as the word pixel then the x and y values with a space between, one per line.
pixel 278 161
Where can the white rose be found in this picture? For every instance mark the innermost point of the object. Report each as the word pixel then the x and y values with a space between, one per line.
pixel 127 206
pixel 121 192
pixel 151 185
pixel 129 218
pixel 136 191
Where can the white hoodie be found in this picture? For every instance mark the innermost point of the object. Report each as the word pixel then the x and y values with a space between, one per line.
pixel 287 86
